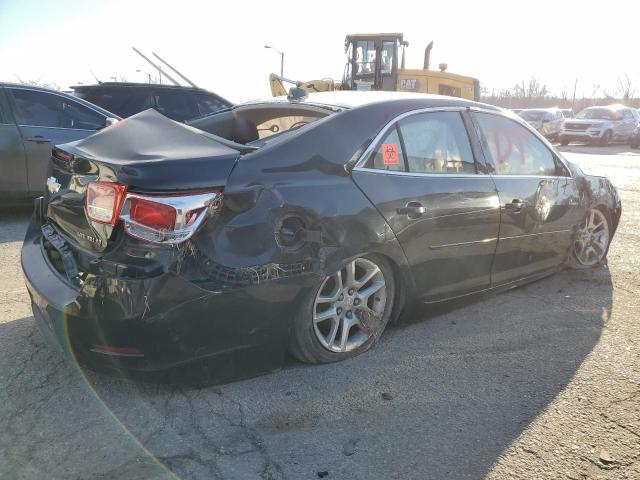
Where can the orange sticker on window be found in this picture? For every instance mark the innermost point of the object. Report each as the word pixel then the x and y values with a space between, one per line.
pixel 390 154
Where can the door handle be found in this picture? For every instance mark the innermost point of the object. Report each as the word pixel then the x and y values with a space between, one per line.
pixel 412 210
pixel 37 139
pixel 516 205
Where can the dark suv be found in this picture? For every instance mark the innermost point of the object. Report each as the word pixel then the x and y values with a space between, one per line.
pixel 176 102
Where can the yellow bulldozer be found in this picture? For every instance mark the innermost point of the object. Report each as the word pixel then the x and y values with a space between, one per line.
pixel 373 64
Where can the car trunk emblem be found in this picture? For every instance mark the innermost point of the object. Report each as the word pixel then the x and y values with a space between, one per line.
pixel 52 184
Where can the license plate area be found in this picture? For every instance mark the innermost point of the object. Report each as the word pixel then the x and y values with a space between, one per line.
pixel 62 259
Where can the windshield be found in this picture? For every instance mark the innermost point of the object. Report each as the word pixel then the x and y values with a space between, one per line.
pixel 532 115
pixel 597 114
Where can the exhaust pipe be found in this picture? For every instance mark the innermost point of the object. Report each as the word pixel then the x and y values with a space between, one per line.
pixel 427 55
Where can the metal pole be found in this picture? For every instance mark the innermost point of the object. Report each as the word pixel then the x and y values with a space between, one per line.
pixel 172 68
pixel 171 79
pixel 282 64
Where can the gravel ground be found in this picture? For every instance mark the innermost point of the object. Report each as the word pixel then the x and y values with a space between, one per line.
pixel 542 382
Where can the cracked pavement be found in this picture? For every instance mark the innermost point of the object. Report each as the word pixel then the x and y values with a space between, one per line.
pixel 541 382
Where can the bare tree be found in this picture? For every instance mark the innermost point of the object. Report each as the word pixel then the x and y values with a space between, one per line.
pixel 625 89
pixel 39 83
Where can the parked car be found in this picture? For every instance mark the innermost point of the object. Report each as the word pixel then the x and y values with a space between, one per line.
pixel 634 140
pixel 32 121
pixel 176 102
pixel 282 224
pixel 600 125
pixel 547 121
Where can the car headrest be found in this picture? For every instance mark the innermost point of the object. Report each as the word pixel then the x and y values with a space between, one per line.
pixel 244 131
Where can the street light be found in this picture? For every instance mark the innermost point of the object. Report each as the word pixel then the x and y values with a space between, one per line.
pixel 146 73
pixel 281 58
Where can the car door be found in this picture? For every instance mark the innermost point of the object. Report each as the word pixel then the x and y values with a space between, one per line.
pixel 538 199
pixel 13 165
pixel 46 119
pixel 423 176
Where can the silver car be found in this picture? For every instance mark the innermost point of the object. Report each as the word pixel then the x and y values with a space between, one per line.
pixel 600 125
pixel 32 121
pixel 547 121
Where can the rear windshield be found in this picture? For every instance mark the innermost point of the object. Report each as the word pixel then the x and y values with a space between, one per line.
pixel 119 101
pixel 258 124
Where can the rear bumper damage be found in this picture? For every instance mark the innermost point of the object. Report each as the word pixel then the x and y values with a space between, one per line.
pixel 165 320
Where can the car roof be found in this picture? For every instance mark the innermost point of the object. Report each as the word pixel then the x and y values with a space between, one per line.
pixel 26 85
pixel 138 85
pixel 354 99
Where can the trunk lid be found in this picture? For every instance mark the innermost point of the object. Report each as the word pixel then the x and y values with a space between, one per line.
pixel 148 153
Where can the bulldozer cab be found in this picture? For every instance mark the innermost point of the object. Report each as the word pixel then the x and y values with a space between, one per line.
pixel 372 61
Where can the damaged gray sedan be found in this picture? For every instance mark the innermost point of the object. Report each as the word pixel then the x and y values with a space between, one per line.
pixel 304 224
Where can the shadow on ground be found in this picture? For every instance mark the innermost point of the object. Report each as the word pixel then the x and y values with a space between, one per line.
pixel 441 398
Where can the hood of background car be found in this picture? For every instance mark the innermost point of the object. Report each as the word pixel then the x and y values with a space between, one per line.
pixel 587 121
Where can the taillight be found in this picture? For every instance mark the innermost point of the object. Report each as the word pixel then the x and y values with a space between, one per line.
pixel 152 214
pixel 155 218
pixel 66 158
pixel 104 201
pixel 167 219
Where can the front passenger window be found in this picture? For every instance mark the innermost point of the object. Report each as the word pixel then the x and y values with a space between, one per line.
pixel 43 109
pixel 511 149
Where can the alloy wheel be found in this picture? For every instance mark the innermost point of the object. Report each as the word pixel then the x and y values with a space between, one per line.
pixel 592 241
pixel 349 306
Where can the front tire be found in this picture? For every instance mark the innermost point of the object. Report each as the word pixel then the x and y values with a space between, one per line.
pixel 564 141
pixel 591 242
pixel 346 314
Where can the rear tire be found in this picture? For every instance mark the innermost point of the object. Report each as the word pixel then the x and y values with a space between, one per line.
pixel 564 141
pixel 318 331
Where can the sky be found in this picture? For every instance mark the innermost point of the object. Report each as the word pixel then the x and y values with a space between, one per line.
pixel 220 45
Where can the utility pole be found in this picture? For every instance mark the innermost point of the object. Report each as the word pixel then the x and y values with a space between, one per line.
pixel 573 102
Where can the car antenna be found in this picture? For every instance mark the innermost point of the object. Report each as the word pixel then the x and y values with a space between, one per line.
pixel 162 72
pixel 175 70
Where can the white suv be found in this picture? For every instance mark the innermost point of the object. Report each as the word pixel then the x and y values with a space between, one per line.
pixel 600 125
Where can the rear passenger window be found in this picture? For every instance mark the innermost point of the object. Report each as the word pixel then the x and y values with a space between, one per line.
pixel 179 106
pixel 121 101
pixel 389 154
pixel 437 143
pixel 511 149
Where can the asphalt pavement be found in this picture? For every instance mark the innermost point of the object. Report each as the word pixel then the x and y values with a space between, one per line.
pixel 542 382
